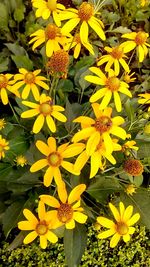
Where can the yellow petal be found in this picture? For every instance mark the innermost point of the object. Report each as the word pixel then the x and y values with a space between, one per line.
pixel 26 91
pixel 117 101
pixel 57 177
pixel 133 219
pixel 30 216
pixel 79 217
pixel 106 100
pixel 81 161
pixel 35 92
pixel 106 234
pixel 38 165
pixel 105 222
pixel 43 241
pixel 76 193
pixel 41 210
pixel 52 144
pixel 122 209
pixel 69 167
pixel 84 32
pixel 128 213
pixel 118 131
pixel 70 224
pixel 43 148
pixel 51 237
pixel 73 150
pixel 99 94
pixel 4 96
pixel 126 238
pixel 29 113
pixel 92 143
pixel 50 201
pixel 97 28
pixel 95 164
pixel 48 176
pixel 51 123
pixel 62 192
pixel 70 25
pixel 83 134
pixel 30 237
pixel 115 212
pixel 114 240
pixel 38 124
pixel 57 115
pixel 25 225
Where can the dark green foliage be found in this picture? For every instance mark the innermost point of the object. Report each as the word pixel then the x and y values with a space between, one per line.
pixel 133 254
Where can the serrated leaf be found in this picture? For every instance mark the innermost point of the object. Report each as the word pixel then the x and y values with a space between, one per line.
pixel 74 244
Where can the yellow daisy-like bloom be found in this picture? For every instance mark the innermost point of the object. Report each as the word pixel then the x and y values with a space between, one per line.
pixel 112 85
pixel 4 145
pixel 128 77
pixel 130 189
pixel 99 128
pixel 75 42
pixel 45 111
pixel 138 40
pixel 85 15
pixel 6 86
pixel 144 3
pixel 133 167
pixel 69 209
pixel 115 57
pixel 47 8
pixel 129 145
pixel 40 227
pixel 2 123
pixel 98 158
pixel 21 160
pixel 29 80
pixel 145 100
pixel 122 227
pixel 54 159
pixel 52 37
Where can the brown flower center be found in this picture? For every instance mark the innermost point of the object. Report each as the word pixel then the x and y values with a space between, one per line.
pixel 85 11
pixel 51 31
pixel 3 81
pixel 117 53
pixel 65 213
pixel 133 167
pixel 42 228
pixel 140 38
pixel 113 83
pixel 46 108
pixel 103 124
pixel 59 61
pixel 122 228
pixel 52 5
pixel 54 159
pixel 29 78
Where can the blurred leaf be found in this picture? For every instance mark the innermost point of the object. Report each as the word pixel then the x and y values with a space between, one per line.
pixel 16 49
pixel 129 110
pixel 4 64
pixel 17 241
pixel 18 145
pixel 19 13
pixel 138 180
pixel 11 216
pixel 22 62
pixel 4 18
pixel 121 29
pixel 144 149
pixel 71 112
pixel 74 244
pixel 102 187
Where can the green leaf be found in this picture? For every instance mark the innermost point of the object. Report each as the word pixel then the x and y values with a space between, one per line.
pixel 19 14
pixel 74 244
pixel 71 112
pixel 144 149
pixel 22 62
pixel 18 145
pixel 16 49
pixel 4 18
pixel 129 110
pixel 102 187
pixel 138 180
pixel 11 216
pixel 4 64
pixel 121 29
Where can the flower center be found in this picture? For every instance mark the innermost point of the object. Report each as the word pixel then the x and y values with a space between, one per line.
pixel 29 78
pixel 52 5
pixel 3 81
pixel 117 53
pixel 133 167
pixel 85 11
pixel 140 38
pixel 65 213
pixel 122 228
pixel 113 83
pixel 59 61
pixel 51 31
pixel 103 124
pixel 41 228
pixel 54 159
pixel 46 108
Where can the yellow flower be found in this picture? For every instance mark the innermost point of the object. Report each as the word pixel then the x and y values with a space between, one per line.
pixel 2 123
pixel 40 227
pixel 45 111
pixel 133 167
pixel 122 227
pixel 145 100
pixel 51 37
pixel 100 127
pixel 29 80
pixel 69 209
pixel 129 145
pixel 85 15
pixel 54 159
pixel 47 8
pixel 138 40
pixel 21 160
pixel 6 86
pixel 130 189
pixel 128 77
pixel 144 2
pixel 4 145
pixel 111 86
pixel 116 56
pixel 75 42
pixel 98 158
